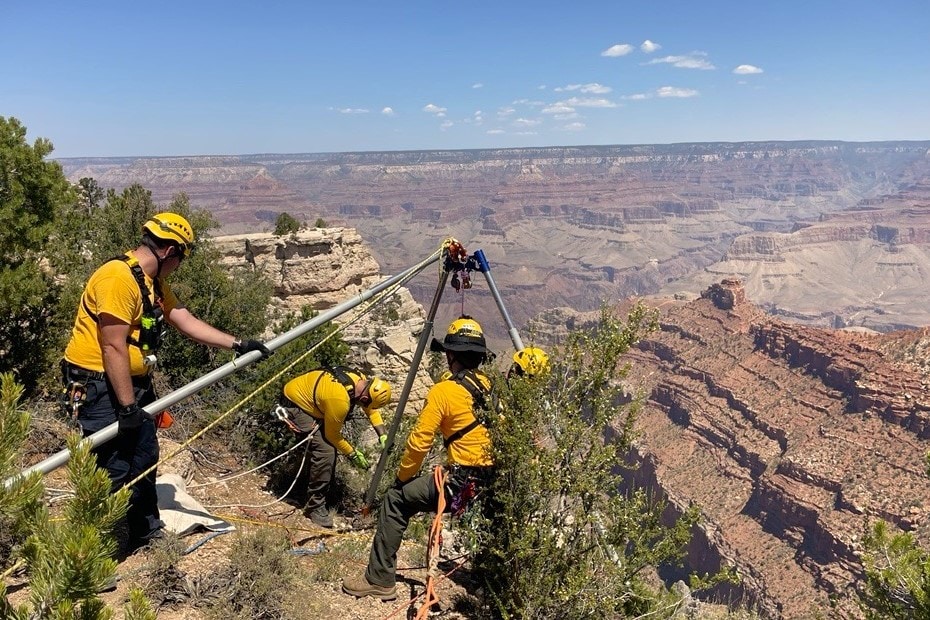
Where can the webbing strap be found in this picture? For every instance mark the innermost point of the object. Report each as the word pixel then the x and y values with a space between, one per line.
pixel 341 377
pixel 468 379
pixel 139 276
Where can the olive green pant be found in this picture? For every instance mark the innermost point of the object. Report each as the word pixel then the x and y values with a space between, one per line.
pixel 397 508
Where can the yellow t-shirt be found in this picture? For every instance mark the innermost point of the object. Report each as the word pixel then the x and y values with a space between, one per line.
pixel 113 290
pixel 328 402
pixel 448 409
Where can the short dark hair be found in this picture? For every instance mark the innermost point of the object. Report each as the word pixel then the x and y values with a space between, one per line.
pixel 156 242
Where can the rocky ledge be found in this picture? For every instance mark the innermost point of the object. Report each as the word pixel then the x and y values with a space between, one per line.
pixel 323 267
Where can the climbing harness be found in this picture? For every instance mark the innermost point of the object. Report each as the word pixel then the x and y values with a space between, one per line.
pixel 484 403
pixel 152 326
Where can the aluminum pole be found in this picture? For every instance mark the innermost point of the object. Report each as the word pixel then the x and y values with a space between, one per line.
pixel 485 268
pixel 102 436
pixel 425 336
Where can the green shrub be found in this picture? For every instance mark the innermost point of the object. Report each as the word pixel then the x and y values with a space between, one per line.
pixel 562 540
pixel 897 572
pixel 257 582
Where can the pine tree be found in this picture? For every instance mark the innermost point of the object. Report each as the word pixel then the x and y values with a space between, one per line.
pixel 32 190
pixel 897 572
pixel 68 559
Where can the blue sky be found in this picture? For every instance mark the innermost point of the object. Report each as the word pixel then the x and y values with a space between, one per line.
pixel 198 78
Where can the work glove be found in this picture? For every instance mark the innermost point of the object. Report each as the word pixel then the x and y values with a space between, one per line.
pixel 130 417
pixel 241 347
pixel 382 441
pixel 359 460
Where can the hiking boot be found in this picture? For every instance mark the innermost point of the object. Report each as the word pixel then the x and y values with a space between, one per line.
pixel 320 516
pixel 360 587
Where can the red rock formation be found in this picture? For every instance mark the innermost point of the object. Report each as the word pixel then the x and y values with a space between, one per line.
pixel 790 438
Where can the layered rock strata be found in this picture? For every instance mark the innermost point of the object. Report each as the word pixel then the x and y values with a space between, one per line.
pixel 622 220
pixel 791 439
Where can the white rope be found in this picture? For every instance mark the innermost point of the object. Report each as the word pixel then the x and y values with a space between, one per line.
pixel 286 493
pixel 234 476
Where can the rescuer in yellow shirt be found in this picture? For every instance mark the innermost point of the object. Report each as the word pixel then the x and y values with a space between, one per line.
pixel 120 321
pixel 325 398
pixel 451 410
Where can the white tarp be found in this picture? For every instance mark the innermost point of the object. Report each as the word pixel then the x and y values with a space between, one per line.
pixel 182 513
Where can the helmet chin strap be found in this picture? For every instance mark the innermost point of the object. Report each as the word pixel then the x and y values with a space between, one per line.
pixel 153 248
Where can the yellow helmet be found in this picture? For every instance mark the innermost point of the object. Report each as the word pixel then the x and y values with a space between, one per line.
pixel 171 227
pixel 464 334
pixel 379 391
pixel 531 361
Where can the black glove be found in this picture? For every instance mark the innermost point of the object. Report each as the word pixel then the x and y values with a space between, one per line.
pixel 241 347
pixel 130 417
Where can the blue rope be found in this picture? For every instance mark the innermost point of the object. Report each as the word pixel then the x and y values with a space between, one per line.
pixel 198 544
pixel 320 548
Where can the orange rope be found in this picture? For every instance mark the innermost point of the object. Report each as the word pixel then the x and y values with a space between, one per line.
pixel 434 545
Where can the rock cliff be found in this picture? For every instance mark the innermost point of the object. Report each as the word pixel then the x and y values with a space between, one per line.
pixel 791 439
pixel 324 267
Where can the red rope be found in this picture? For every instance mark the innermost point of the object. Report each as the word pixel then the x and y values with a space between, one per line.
pixel 433 546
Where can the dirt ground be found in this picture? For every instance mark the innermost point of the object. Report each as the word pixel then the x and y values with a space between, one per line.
pixel 323 557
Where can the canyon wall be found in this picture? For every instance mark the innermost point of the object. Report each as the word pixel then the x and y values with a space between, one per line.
pixel 622 220
pixel 791 439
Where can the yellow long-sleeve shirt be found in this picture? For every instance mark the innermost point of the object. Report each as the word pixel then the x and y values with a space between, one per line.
pixel 448 409
pixel 323 397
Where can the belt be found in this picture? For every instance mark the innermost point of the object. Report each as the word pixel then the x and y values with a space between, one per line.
pixel 471 471
pixel 82 373
pixel 89 375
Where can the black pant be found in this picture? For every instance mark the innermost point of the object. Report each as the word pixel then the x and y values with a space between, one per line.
pixel 127 455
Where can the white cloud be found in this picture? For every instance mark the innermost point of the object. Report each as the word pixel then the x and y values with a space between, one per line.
pixel 477 85
pixel 673 91
pixel 694 60
pixel 588 102
pixel 576 126
pixel 526 122
pixel 388 111
pixel 352 110
pixel 566 117
pixel 620 49
pixel 746 70
pixel 503 112
pixel 445 125
pixel 434 109
pixel 541 87
pixel 594 88
pixel 526 133
pixel 637 96
pixel 558 108
pixel 649 46
pixel 494 131
pixel 529 102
